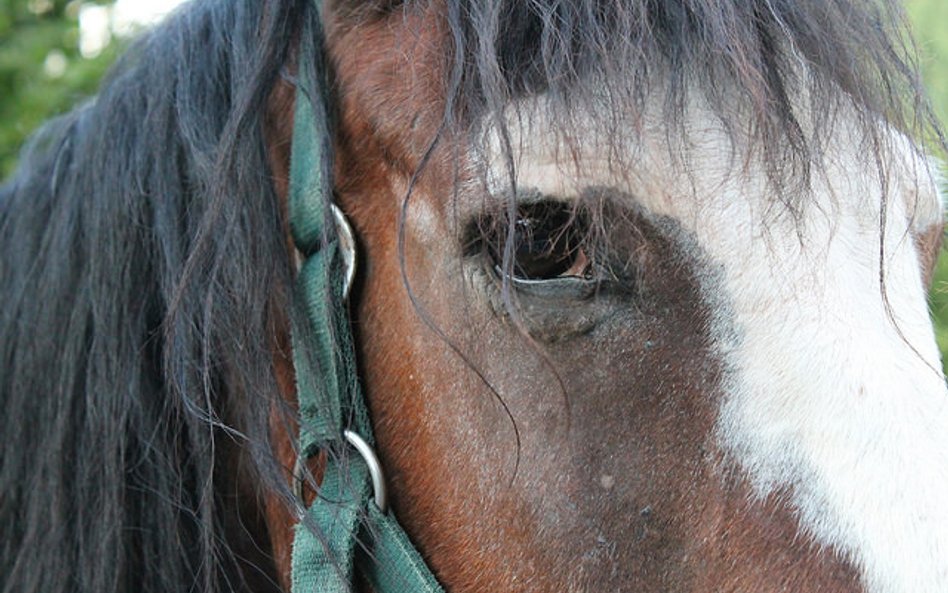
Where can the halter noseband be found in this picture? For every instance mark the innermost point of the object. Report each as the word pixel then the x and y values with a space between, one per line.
pixel 348 526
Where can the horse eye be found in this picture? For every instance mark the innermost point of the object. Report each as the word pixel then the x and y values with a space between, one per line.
pixel 547 244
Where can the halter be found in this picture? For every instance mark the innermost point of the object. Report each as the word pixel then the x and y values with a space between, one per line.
pixel 348 527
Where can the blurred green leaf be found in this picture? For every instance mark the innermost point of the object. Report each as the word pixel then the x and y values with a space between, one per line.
pixel 42 72
pixel 930 23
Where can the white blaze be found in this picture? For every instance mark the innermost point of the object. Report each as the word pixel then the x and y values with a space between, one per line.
pixel 828 399
pixel 832 398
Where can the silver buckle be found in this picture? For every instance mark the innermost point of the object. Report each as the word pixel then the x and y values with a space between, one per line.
pixel 347 244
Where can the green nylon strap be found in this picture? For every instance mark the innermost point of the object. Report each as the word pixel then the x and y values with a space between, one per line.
pixel 386 557
pixel 343 530
pixel 390 562
pixel 329 395
pixel 327 565
pixel 310 160
pixel 327 388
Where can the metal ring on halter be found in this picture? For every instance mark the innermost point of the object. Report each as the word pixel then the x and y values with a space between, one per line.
pixel 347 245
pixel 371 460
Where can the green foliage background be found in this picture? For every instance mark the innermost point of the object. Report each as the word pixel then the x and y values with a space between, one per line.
pixel 33 30
pixel 930 22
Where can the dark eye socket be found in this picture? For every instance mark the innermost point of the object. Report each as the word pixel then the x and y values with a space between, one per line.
pixel 547 242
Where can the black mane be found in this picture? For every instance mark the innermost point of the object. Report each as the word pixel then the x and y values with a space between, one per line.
pixel 144 269
pixel 143 254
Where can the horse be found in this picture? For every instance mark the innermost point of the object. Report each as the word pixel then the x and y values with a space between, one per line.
pixel 640 302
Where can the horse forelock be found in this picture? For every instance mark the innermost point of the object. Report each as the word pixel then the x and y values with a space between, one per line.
pixel 748 59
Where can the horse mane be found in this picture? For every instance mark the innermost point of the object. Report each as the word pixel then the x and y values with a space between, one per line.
pixel 143 259
pixel 145 271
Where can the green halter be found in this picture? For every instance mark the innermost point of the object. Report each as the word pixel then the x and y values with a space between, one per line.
pixel 351 531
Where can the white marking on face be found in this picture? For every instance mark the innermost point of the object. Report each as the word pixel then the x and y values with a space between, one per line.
pixel 827 399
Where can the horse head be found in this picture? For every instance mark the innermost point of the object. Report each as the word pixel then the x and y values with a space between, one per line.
pixel 641 300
